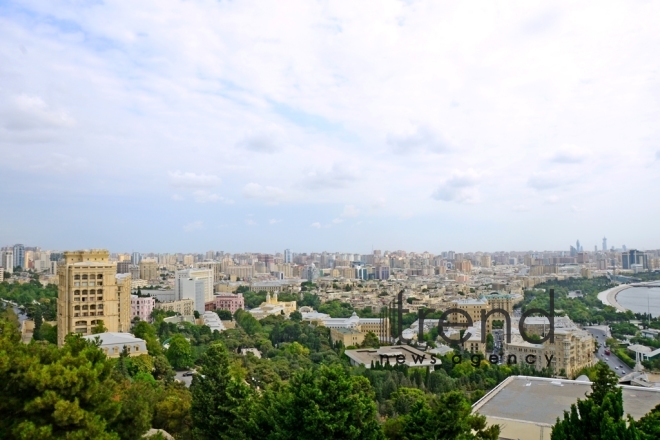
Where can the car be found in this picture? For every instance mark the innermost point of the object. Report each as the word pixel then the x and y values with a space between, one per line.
pixel 188 374
pixel 607 359
pixel 616 368
pixel 621 366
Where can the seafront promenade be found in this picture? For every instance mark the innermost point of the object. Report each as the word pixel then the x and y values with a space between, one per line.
pixel 608 297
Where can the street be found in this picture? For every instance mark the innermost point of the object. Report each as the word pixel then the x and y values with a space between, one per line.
pixel 600 333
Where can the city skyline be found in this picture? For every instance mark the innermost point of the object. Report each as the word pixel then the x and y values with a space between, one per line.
pixel 266 127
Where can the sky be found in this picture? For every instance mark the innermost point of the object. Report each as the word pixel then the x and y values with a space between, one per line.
pixel 185 126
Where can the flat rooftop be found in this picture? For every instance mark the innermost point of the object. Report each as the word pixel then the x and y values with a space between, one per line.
pixel 541 400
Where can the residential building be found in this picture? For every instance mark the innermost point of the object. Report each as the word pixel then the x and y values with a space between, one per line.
pixel 571 351
pixel 149 270
pixel 473 307
pixel 230 302
pixel 486 261
pixel 7 260
pixel 212 320
pixel 184 307
pixel 141 307
pixel 19 256
pixel 136 258
pixel 89 291
pixel 114 343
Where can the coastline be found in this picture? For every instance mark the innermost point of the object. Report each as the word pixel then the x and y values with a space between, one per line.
pixel 608 297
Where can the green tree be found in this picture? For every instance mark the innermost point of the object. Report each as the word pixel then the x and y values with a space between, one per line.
pixel 225 315
pixel 99 327
pixel 326 403
pixel 51 392
pixel 295 316
pixel 371 340
pixel 221 402
pixel 649 425
pixel 600 415
pixel 448 416
pixel 179 353
pixel 172 411
pixel 490 342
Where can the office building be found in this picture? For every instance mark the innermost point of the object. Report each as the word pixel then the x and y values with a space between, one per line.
pixel 195 284
pixel 634 257
pixel 604 244
pixel 90 291
pixel 136 258
pixel 19 256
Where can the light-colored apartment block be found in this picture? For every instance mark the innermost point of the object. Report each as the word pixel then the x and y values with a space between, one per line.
pixel 149 270
pixel 185 307
pixel 89 292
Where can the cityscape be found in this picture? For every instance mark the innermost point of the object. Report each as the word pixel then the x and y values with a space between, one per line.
pixel 308 220
pixel 386 310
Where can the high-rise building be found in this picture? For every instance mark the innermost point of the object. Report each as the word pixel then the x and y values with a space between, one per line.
pixel 634 257
pixel 287 256
pixel 604 244
pixel 19 256
pixel 90 291
pixel 485 261
pixel 195 284
pixel 7 260
pixel 149 270
pixel 123 267
pixel 136 258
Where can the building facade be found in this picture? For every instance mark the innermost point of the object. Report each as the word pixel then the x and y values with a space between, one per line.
pixel 149 270
pixel 89 291
pixel 184 307
pixel 141 307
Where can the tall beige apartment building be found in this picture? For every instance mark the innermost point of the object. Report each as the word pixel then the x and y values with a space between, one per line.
pixel 90 291
pixel 149 270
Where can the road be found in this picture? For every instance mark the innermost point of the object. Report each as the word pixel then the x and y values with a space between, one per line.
pixel 187 380
pixel 600 333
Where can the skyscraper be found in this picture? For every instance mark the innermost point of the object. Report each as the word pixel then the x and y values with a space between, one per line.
pixel 90 291
pixel 136 258
pixel 19 256
pixel 287 256
pixel 604 244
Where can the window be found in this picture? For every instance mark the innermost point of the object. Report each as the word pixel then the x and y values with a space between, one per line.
pixel 76 292
pixel 92 292
pixel 81 322
pixel 84 307
pixel 99 276
pixel 76 308
pixel 76 277
pixel 84 277
pixel 92 276
pixel 84 292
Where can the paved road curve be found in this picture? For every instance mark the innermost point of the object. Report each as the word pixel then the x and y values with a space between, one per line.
pixel 600 333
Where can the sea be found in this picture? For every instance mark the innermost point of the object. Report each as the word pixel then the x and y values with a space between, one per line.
pixel 641 300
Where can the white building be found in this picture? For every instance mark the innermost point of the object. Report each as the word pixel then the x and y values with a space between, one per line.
pixel 195 284
pixel 113 344
pixel 212 320
pixel 7 260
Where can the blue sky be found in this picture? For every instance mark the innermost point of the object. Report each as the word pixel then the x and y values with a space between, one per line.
pixel 186 126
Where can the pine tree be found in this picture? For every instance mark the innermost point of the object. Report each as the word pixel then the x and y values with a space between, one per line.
pixel 221 404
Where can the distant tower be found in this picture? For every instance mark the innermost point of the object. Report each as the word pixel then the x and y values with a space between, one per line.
pixel 287 256
pixel 577 246
pixel 604 244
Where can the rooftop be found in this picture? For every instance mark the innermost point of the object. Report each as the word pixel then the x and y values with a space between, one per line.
pixel 539 400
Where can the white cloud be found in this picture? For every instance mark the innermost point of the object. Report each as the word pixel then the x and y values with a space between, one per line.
pixel 339 176
pixel 423 138
pixel 350 211
pixel 31 112
pixel 261 143
pixel 316 225
pixel 270 194
pixel 203 196
pixel 461 187
pixel 191 180
pixel 274 221
pixel 194 226
pixel 569 154
pixel 250 222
